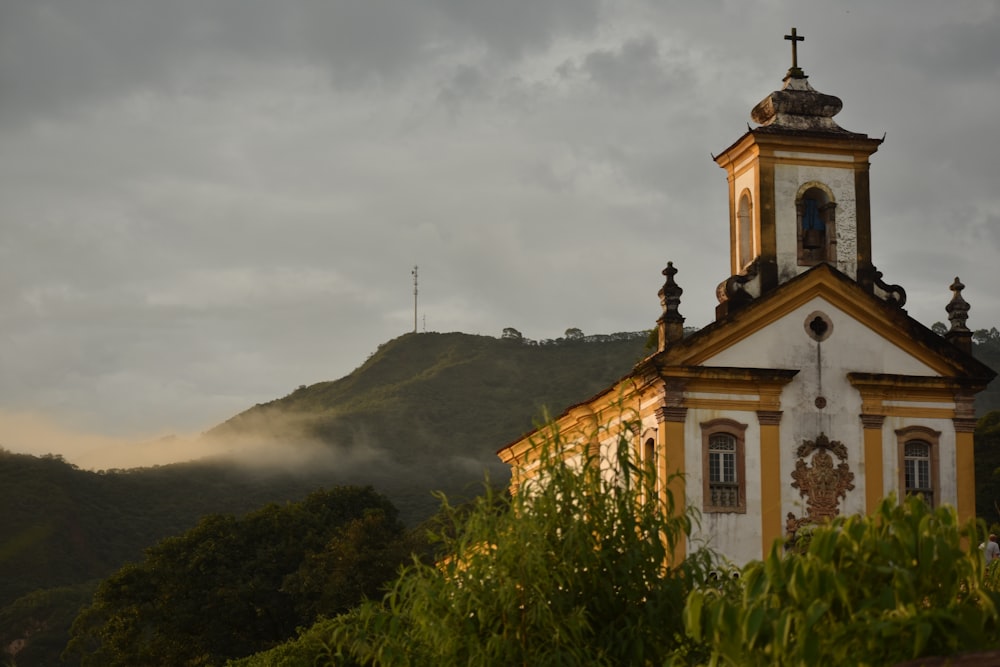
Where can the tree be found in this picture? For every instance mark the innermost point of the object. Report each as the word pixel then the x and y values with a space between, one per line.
pixel 986 336
pixel 868 590
pixel 227 588
pixel 362 556
pixel 987 457
pixel 574 334
pixel 510 333
pixel 577 570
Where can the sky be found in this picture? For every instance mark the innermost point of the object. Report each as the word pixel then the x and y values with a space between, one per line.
pixel 207 203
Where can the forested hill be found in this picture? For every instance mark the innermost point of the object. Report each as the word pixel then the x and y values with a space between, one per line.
pixel 426 412
pixel 429 411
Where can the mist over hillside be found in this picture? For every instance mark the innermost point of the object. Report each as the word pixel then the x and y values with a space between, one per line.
pixel 428 410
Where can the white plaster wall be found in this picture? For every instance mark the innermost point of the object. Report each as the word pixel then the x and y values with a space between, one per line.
pixel 823 369
pixel 788 178
pixel 851 347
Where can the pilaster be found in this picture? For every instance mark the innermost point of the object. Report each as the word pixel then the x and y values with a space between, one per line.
pixel 770 478
pixel 873 460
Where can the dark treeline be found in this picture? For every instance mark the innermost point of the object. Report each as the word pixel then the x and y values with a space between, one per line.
pixel 231 586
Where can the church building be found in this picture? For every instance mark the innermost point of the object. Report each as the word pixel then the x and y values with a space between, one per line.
pixel 813 393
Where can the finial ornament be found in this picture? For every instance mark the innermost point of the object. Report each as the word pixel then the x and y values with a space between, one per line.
pixel 670 326
pixel 958 308
pixel 670 295
pixel 795 38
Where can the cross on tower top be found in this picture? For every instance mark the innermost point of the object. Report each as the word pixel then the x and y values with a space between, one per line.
pixel 795 38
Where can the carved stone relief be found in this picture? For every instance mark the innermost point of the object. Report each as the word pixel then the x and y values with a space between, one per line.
pixel 820 481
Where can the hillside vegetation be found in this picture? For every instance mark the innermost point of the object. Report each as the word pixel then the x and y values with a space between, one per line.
pixel 429 411
pixel 425 412
pixel 442 395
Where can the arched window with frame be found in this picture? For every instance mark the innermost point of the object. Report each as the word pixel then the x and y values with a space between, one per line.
pixel 815 211
pixel 744 231
pixel 724 466
pixel 918 463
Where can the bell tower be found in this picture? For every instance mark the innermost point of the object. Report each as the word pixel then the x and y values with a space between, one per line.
pixel 798 194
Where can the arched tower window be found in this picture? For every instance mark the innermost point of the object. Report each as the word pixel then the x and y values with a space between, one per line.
pixel 815 214
pixel 744 231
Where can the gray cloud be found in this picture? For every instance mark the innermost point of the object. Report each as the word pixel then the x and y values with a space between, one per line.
pixel 205 204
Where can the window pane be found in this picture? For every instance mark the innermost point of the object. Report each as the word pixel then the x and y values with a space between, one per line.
pixel 722 458
pixel 723 486
pixel 917 469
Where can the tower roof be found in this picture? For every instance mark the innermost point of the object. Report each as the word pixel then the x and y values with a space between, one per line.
pixel 798 106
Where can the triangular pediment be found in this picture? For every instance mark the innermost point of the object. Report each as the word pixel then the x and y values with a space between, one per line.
pixel 884 338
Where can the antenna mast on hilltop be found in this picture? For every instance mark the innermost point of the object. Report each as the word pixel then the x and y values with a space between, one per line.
pixel 414 272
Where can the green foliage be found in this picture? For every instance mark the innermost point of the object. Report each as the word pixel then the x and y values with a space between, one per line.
pixel 987 457
pixel 34 627
pixel 231 587
pixel 986 348
pixel 61 526
pixel 433 407
pixel 575 571
pixel 436 407
pixel 875 590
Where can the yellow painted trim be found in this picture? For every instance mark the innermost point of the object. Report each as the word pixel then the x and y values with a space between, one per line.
pixel 877 392
pixel 908 411
pixel 765 146
pixel 720 404
pixel 674 468
pixel 815 284
pixel 930 389
pixel 874 480
pixel 723 387
pixel 784 160
pixel 965 476
pixel 770 486
pixel 745 166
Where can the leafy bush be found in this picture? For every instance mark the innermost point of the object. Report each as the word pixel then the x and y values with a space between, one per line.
pixel 868 590
pixel 574 571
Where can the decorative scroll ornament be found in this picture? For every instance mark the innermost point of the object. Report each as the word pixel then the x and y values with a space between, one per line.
pixel 820 482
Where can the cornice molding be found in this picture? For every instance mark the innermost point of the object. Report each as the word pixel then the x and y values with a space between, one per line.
pixel 870 421
pixel 769 417
pixel 671 414
pixel 964 424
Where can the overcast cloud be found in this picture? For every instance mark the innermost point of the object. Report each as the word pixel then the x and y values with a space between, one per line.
pixel 206 203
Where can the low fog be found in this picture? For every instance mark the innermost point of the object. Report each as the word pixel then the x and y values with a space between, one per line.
pixel 271 444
